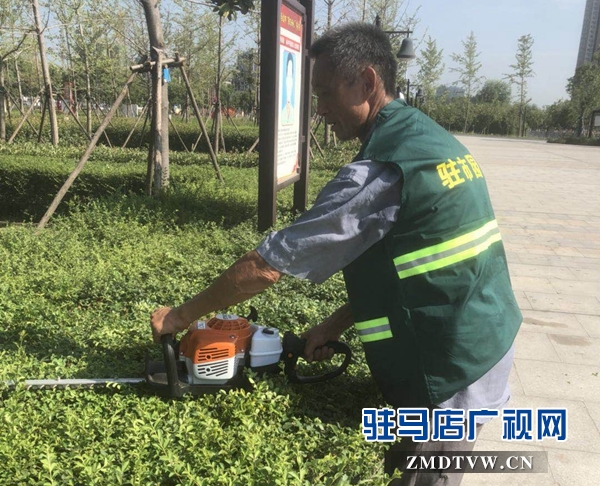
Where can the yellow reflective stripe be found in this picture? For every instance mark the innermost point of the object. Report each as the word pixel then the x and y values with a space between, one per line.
pixel 450 260
pixel 447 245
pixel 376 337
pixel 374 329
pixel 361 326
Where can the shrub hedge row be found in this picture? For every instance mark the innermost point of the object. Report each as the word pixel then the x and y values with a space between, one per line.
pixel 75 302
pixel 31 174
pixel 238 138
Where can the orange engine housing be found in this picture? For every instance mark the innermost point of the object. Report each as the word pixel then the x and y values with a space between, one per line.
pixel 223 337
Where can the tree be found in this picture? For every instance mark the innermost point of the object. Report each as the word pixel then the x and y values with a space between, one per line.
pixel 330 4
pixel 389 11
pixel 218 81
pixel 21 73
pixel 158 155
pixel 244 80
pixel 195 37
pixel 230 8
pixel 431 69
pixel 561 115
pixel 584 89
pixel 72 12
pixel 494 91
pixel 65 16
pixel 522 70
pixel 447 114
pixel 468 68
pixel 534 118
pixel 49 98
pixel 10 19
pixel 253 23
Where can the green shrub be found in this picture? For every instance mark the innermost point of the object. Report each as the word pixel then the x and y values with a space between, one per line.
pixel 75 301
pixel 577 141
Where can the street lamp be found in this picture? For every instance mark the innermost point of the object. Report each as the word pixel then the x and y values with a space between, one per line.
pixel 406 52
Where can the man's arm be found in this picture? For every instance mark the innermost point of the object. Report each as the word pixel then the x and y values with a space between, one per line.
pixel 248 276
pixel 353 211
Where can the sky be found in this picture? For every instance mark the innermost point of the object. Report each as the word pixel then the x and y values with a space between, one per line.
pixel 555 26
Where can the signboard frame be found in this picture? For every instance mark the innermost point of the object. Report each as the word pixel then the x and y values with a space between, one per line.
pixel 271 87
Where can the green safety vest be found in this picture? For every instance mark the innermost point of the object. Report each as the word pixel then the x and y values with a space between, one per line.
pixel 432 301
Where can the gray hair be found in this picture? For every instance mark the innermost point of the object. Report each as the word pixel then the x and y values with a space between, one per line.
pixel 355 46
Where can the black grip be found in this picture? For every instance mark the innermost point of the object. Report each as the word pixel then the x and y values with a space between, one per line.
pixel 169 355
pixel 293 348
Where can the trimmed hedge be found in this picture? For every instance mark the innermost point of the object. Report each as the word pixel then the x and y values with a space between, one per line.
pixel 30 183
pixel 31 174
pixel 118 130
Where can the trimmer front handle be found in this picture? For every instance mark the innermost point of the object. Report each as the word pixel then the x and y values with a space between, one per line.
pixel 293 348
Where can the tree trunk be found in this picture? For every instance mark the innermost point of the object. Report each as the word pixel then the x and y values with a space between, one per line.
pixel 114 75
pixel 327 133
pixel 2 102
pixel 186 108
pixel 522 108
pixel 257 81
pixel 88 84
pixel 72 69
pixel 579 128
pixel 520 120
pixel 218 88
pixel 37 70
pixel 46 73
pixel 19 85
pixel 159 150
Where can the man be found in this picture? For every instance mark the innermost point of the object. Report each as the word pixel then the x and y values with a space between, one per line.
pixel 411 225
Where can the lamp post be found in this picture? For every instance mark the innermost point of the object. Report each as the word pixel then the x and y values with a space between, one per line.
pixel 418 98
pixel 406 52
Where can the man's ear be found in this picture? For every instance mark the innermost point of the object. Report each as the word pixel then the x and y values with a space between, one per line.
pixel 370 80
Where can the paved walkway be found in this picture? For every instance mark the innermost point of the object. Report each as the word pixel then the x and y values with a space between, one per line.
pixel 547 202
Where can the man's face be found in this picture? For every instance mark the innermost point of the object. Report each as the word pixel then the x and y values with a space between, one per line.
pixel 343 104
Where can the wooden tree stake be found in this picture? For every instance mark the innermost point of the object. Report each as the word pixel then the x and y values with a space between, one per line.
pixel 25 119
pixel 136 123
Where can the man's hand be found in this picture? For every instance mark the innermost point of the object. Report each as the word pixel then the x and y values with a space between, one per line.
pixel 166 320
pixel 315 349
pixel 329 330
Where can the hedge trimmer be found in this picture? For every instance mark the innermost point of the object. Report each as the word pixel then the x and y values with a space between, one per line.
pixel 211 356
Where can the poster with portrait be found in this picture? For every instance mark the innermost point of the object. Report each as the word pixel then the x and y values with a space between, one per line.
pixel 290 87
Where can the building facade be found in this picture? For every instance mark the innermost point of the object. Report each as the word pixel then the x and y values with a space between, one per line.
pixel 590 35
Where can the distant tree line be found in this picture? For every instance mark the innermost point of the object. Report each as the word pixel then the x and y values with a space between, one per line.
pixel 476 105
pixel 92 44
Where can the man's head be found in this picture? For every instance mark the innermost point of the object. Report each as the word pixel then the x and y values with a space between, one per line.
pixel 354 76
